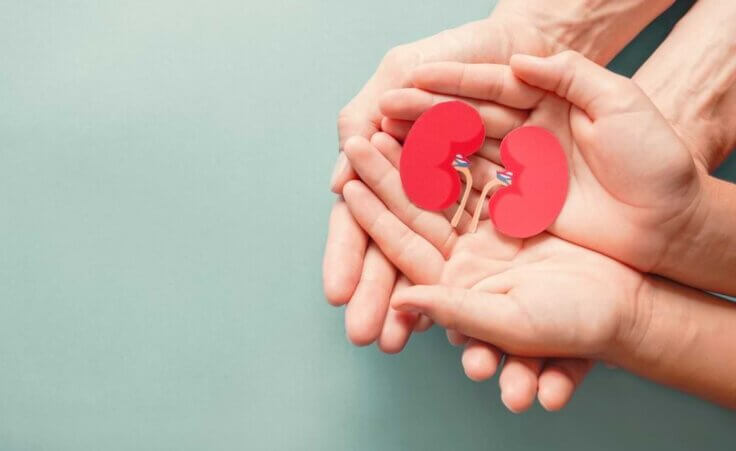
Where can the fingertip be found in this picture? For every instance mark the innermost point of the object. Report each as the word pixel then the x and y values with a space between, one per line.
pixel 383 140
pixel 516 398
pixel 424 323
pixel 479 361
pixel 351 190
pixel 355 145
pixel 406 300
pixel 396 332
pixel 397 129
pixel 341 173
pixel 518 382
pixel 338 289
pixel 525 66
pixel 388 101
pixel 559 380
pixel 455 338
pixel 359 332
pixel 555 391
pixel 342 265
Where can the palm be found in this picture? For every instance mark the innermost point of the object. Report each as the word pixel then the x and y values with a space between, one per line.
pixel 550 280
pixel 629 173
pixel 564 305
pixel 623 184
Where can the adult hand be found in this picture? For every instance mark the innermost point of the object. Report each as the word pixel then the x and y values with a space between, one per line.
pixel 693 81
pixel 354 269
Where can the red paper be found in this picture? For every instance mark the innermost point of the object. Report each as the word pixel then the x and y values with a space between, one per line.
pixel 539 183
pixel 440 133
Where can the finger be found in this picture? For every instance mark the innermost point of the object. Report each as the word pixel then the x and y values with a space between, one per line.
pixel 483 171
pixel 341 173
pixel 398 325
pixel 424 323
pixel 409 103
pixel 491 82
pixel 402 246
pixel 590 87
pixel 389 148
pixel 490 317
pixel 344 251
pixel 518 382
pixel 366 312
pixel 456 338
pixel 559 380
pixel 480 360
pixel 491 151
pixel 384 180
pixel 396 127
pixel 352 121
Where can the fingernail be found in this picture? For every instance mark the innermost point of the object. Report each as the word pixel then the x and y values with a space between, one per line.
pixel 340 166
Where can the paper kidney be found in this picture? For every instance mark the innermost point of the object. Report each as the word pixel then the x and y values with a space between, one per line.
pixel 437 136
pixel 538 165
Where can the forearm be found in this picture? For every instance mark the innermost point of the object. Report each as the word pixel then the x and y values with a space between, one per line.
pixel 598 29
pixel 683 338
pixel 703 254
pixel 691 78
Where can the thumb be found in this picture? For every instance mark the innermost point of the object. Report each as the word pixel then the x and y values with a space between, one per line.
pixel 588 86
pixel 490 317
pixel 350 122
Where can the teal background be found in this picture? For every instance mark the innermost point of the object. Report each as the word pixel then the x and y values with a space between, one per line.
pixel 163 206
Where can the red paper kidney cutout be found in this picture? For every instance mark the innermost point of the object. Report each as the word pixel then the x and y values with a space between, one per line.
pixel 440 133
pixel 538 189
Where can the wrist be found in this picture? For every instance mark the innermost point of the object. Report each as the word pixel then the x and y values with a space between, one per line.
pixel 648 330
pixel 598 29
pixel 702 251
pixel 695 89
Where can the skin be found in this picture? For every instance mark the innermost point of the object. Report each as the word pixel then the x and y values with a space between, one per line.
pixel 635 192
pixel 702 118
pixel 537 29
pixel 532 297
pixel 693 81
pixel 542 306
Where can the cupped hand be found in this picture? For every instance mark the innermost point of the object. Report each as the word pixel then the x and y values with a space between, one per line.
pixel 633 184
pixel 346 260
pixel 428 250
pixel 552 298
pixel 355 271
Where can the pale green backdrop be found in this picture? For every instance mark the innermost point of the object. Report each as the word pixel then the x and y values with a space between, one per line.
pixel 163 207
